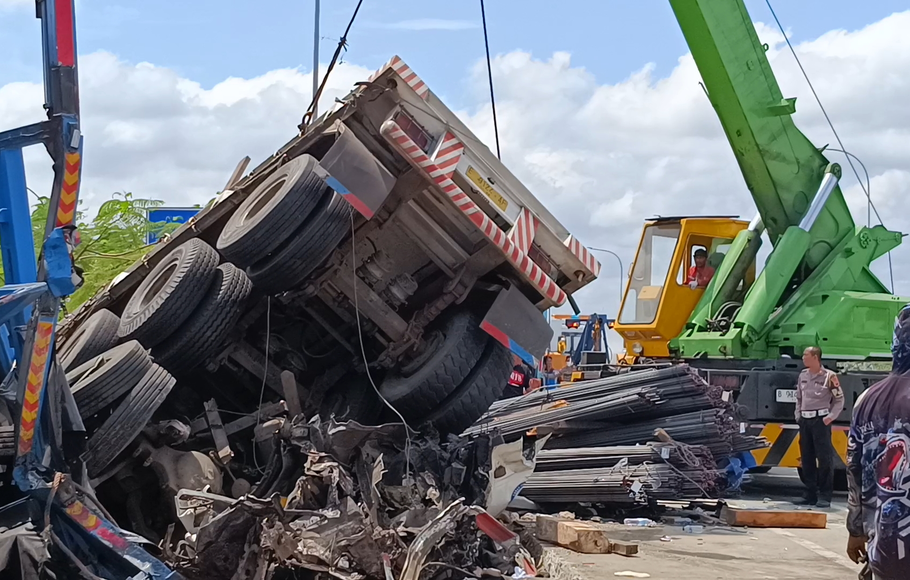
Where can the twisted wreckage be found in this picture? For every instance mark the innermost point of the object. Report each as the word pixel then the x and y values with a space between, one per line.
pixel 346 500
pixel 279 384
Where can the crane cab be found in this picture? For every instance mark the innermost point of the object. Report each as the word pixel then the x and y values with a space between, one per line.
pixel 657 301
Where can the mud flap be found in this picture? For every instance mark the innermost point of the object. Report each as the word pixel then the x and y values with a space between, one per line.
pixel 351 170
pixel 518 325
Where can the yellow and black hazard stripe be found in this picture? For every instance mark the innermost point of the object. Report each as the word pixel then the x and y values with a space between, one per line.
pixel 784 449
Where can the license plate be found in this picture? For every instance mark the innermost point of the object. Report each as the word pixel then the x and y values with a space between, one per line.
pixel 487 189
pixel 785 395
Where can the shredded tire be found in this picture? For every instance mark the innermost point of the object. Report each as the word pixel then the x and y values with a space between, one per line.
pixel 272 213
pixel 445 369
pixel 102 380
pixel 209 325
pixel 169 294
pixel 127 420
pixel 473 397
pixel 93 337
pixel 307 249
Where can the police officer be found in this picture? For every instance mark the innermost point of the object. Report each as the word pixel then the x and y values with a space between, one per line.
pixel 819 400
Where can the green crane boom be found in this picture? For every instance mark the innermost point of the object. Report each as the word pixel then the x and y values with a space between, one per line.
pixel 782 168
pixel 816 288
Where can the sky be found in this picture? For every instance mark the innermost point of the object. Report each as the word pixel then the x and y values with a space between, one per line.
pixel 600 111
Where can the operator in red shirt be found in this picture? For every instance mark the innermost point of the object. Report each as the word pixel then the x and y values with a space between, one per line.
pixel 701 273
pixel 521 380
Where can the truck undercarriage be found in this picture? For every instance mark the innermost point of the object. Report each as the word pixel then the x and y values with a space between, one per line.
pixel 382 268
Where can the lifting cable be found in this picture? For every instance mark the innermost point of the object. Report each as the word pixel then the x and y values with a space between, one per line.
pixel 486 43
pixel 865 187
pixel 342 45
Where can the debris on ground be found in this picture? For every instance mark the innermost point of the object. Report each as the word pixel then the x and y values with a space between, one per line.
pixel 582 537
pixel 355 502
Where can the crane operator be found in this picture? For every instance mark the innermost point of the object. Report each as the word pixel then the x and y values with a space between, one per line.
pixel 701 273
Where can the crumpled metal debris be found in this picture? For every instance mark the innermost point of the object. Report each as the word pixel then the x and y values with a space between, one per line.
pixel 357 502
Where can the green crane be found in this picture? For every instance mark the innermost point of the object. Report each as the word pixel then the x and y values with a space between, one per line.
pixel 816 288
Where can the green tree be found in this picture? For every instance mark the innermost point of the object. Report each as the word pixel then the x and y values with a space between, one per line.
pixel 110 242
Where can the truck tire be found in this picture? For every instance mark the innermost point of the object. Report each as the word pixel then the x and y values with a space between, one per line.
pixel 169 294
pixel 209 325
pixel 451 361
pixel 93 337
pixel 307 249
pixel 102 380
pixel 473 397
pixel 272 213
pixel 127 420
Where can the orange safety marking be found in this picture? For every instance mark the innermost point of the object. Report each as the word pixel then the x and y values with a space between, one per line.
pixel 771 432
pixel 83 516
pixel 839 439
pixel 34 386
pixel 94 525
pixel 66 209
pixel 792 457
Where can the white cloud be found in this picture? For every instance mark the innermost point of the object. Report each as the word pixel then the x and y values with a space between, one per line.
pixel 606 156
pixel 603 157
pixel 426 24
pixel 150 131
pixel 13 4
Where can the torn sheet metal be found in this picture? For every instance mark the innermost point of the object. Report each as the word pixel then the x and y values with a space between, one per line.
pixel 512 464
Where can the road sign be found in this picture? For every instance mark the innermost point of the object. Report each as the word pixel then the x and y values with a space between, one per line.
pixel 167 215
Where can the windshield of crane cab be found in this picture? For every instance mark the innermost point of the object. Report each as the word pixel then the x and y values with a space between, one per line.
pixel 649 274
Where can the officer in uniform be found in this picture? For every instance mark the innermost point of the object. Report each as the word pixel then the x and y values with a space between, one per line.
pixel 819 400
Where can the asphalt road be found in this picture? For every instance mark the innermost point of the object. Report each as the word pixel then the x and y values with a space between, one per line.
pixel 740 554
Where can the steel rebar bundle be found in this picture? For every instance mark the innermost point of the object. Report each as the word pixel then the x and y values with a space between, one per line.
pixel 698 427
pixel 618 484
pixel 619 399
pixel 604 448
pixel 611 474
pixel 681 455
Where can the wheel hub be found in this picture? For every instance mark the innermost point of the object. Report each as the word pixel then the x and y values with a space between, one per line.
pixel 421 355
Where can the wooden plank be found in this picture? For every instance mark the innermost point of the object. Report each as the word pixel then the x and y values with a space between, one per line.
pixel 582 537
pixel 623 548
pixel 774 518
pixel 548 530
pixel 590 538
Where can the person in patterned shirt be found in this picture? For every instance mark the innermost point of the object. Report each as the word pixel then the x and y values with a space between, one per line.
pixel 878 467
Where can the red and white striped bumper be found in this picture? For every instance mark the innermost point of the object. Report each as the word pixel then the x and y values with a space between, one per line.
pixel 441 174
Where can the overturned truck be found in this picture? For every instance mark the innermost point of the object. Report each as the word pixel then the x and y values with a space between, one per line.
pixel 380 266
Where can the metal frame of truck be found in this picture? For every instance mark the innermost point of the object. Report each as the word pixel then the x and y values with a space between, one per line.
pixel 419 180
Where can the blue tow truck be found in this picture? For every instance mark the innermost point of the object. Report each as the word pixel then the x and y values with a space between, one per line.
pixel 52 525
